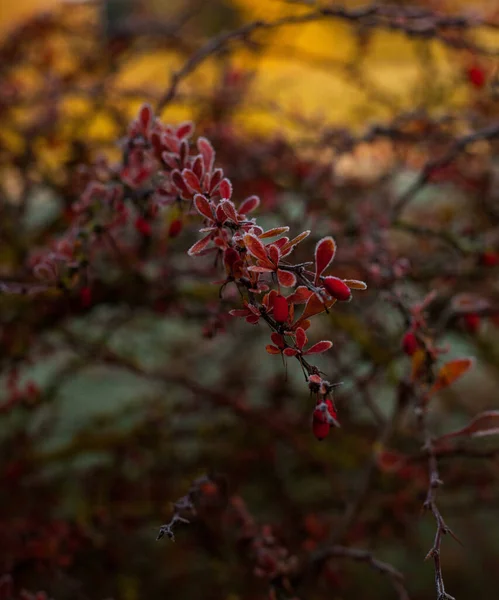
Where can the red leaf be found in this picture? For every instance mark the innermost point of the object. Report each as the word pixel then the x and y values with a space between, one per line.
pixel 273 232
pixel 175 228
pixel 484 424
pixel 320 347
pixel 355 284
pixel 249 205
pixel 216 178
pixel 274 254
pixel 290 352
pixel 272 349
pixel 450 372
pixel 286 278
pixel 324 254
pixel 258 269
pixel 230 210
pixel 207 153
pixel 185 130
pixel 145 116
pixel 203 206
pixel 255 247
pixel 225 189
pixel 199 246
pixel 191 181
pixel 277 339
pixel 301 338
pixel 288 246
pixel 197 168
pixel 314 306
pixel 179 183
pixel 300 296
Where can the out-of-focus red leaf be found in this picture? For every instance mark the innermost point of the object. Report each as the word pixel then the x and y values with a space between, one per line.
pixel 450 372
pixel 145 116
pixel 249 205
pixel 185 130
pixel 199 246
pixel 484 424
pixel 225 189
pixel 207 153
pixel 465 303
pixel 259 269
pixel 191 181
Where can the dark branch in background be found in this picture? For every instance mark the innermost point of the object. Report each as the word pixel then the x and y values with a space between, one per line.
pixel 357 554
pixel 414 22
pixel 459 146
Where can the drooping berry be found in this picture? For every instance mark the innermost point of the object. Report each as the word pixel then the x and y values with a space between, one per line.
pixel 337 288
pixel 410 343
pixel 321 419
pixel 320 428
pixel 281 309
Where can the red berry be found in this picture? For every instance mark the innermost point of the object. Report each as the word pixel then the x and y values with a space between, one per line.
pixel 337 288
pixel 85 296
pixel 489 258
pixel 471 322
pixel 320 424
pixel 410 343
pixel 320 429
pixel 143 226
pixel 175 228
pixel 281 309
pixel 476 76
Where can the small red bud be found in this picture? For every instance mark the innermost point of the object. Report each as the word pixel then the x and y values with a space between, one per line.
pixel 410 343
pixel 471 322
pixel 489 259
pixel 476 76
pixel 337 288
pixel 175 228
pixel 85 296
pixel 143 226
pixel 281 309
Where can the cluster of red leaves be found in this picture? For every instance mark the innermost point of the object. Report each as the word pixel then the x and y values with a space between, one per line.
pixel 162 167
